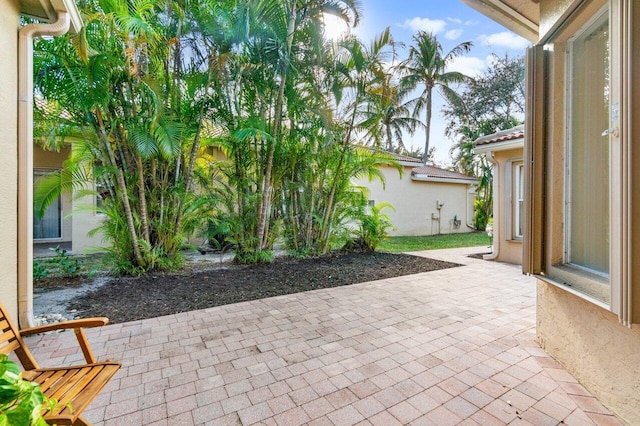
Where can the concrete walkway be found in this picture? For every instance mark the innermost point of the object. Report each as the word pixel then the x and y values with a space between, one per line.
pixel 455 346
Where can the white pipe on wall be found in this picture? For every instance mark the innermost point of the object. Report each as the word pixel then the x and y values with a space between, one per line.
pixel 25 159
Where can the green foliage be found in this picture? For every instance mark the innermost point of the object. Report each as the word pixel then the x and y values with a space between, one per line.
pixel 21 401
pixel 40 270
pixel 426 67
pixel 494 101
pixel 482 213
pixel 374 226
pixel 434 242
pixel 67 265
pixel 218 233
pixel 252 257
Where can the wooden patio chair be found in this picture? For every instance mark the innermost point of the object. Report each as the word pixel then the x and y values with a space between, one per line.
pixel 73 387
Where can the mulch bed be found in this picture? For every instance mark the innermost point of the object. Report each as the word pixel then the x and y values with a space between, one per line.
pixel 126 299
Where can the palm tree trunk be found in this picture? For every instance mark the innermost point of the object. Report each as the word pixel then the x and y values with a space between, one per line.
pixel 188 175
pixel 324 233
pixel 144 215
pixel 123 189
pixel 264 204
pixel 427 123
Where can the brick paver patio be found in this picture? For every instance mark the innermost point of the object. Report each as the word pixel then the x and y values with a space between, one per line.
pixel 455 346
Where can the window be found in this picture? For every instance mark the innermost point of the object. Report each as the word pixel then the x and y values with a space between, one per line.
pixel 574 185
pixel 587 165
pixel 517 197
pixel 50 225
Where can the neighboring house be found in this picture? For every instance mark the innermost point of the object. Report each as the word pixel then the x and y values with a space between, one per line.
pixel 427 200
pixel 505 150
pixel 16 117
pixel 582 239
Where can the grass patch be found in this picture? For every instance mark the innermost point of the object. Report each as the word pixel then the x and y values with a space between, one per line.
pixel 434 242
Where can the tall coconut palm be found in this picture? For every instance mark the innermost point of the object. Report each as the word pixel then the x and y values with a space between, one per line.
pixel 427 67
pixel 388 115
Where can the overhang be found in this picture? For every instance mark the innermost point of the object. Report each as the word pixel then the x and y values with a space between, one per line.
pixel 47 11
pixel 520 16
pixel 500 141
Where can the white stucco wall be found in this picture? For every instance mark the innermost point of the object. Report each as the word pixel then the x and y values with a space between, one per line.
pixel 9 24
pixel 415 203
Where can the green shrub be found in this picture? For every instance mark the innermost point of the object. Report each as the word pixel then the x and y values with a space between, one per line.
pixel 374 227
pixel 68 266
pixel 482 214
pixel 218 233
pixel 40 271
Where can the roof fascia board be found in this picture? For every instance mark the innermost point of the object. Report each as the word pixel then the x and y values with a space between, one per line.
pixel 427 178
pixel 507 16
pixel 499 146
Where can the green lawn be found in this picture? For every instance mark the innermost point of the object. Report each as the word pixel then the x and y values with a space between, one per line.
pixel 434 242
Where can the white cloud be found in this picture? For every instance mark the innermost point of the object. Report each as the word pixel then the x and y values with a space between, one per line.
pixel 434 26
pixel 453 34
pixel 455 20
pixel 468 65
pixel 504 39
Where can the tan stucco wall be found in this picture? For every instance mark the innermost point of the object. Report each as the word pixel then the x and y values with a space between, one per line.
pixel 415 202
pixel 53 160
pixel 9 24
pixel 603 355
pixel 509 249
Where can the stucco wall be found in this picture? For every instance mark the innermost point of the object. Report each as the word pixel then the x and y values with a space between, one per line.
pixel 415 203
pixel 9 23
pixel 603 355
pixel 509 249
pixel 85 219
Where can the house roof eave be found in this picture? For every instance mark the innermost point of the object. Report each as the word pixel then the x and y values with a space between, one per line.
pixel 505 13
pixel 47 10
pixel 427 178
pixel 499 146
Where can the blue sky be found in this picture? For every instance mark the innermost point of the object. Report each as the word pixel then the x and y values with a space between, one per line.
pixel 453 22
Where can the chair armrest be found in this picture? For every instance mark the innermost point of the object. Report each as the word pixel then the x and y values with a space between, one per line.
pixel 77 326
pixel 66 325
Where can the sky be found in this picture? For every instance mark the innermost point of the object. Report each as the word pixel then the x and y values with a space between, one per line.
pixel 453 22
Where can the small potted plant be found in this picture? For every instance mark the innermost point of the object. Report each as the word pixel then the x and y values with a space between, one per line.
pixel 21 401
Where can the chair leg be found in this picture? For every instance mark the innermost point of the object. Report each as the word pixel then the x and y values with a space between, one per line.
pixel 82 422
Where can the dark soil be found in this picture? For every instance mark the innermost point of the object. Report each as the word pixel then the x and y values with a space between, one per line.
pixel 127 299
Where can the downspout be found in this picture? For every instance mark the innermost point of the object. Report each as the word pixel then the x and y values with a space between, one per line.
pixel 495 251
pixel 25 159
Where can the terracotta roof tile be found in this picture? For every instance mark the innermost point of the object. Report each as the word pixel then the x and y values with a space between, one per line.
pixel 501 136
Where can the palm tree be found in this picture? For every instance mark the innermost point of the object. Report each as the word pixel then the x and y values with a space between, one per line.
pixel 388 115
pixel 133 97
pixel 427 66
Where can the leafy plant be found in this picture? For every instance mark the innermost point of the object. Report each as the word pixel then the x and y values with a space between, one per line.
pixel 482 213
pixel 21 401
pixel 68 266
pixel 374 226
pixel 40 271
